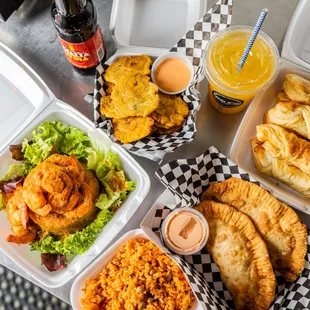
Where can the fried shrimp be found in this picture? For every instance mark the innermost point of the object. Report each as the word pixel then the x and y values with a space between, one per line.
pixel 17 215
pixel 53 185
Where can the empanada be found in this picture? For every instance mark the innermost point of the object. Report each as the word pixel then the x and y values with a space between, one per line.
pixel 277 223
pixel 297 88
pixel 285 145
pixel 241 255
pixel 290 115
pixel 280 169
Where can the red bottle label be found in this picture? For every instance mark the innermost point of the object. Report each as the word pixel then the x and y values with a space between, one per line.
pixel 87 54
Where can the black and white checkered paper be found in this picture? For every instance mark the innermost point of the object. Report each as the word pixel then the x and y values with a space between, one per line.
pixel 187 179
pixel 192 44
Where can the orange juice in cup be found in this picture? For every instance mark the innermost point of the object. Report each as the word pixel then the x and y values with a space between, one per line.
pixel 231 91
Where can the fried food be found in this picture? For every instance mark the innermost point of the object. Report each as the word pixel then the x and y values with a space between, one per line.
pixel 280 169
pixel 131 129
pixel 277 223
pixel 297 88
pixel 290 115
pixel 17 214
pixel 128 65
pixel 140 276
pixel 241 255
pixel 164 131
pixel 131 96
pixel 171 111
pixel 281 144
pixel 109 88
pixel 60 194
pixel 282 96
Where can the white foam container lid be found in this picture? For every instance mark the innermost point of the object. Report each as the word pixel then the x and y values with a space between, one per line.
pixel 152 27
pixel 295 59
pixel 26 101
pixel 91 272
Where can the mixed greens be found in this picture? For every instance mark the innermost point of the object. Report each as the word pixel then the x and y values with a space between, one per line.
pixel 55 137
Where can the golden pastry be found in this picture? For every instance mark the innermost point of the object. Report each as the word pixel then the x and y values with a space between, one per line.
pixel 281 144
pixel 282 96
pixel 128 65
pixel 280 169
pixel 241 255
pixel 297 88
pixel 131 129
pixel 290 115
pixel 277 223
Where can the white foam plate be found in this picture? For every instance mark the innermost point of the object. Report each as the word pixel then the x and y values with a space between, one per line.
pixel 241 149
pixel 91 272
pixel 29 261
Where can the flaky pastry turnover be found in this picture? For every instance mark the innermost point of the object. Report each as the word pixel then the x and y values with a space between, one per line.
pixel 280 169
pixel 241 255
pixel 282 144
pixel 277 223
pixel 297 88
pixel 290 115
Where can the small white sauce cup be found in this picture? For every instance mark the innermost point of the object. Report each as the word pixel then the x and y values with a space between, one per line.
pixel 173 55
pixel 204 222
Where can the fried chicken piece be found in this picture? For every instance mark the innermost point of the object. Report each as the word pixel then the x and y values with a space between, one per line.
pixel 131 129
pixel 170 113
pixel 128 65
pixel 131 96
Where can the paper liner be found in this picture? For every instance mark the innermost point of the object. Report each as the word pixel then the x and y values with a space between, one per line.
pixel 187 179
pixel 192 45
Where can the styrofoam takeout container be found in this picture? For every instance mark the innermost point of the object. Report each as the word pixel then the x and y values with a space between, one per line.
pixel 152 26
pixel 26 102
pixel 295 59
pixel 91 272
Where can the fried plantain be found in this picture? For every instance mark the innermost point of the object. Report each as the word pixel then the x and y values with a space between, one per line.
pixel 128 65
pixel 131 129
pixel 131 96
pixel 109 88
pixel 165 131
pixel 170 113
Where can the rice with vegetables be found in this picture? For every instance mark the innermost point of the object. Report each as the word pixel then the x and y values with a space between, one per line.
pixel 140 276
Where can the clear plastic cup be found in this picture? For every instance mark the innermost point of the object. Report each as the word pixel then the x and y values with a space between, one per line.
pixel 231 91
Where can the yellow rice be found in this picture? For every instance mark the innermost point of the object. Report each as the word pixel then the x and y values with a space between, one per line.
pixel 140 276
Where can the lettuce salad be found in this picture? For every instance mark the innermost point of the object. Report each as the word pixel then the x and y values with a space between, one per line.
pixel 55 137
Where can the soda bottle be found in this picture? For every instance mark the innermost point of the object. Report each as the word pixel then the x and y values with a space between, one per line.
pixel 79 33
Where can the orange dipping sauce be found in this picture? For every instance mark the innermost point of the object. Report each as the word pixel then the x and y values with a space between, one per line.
pixel 172 75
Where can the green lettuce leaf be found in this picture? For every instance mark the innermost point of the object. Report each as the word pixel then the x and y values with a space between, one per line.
pixel 54 137
pixel 14 171
pixel 46 139
pixel 75 143
pixel 2 206
pixel 76 243
pixel 116 190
